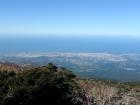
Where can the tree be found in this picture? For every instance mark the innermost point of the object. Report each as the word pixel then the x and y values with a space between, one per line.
pixel 52 67
pixel 44 85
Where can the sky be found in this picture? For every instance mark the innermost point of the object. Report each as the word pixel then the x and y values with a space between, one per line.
pixel 70 26
pixel 70 17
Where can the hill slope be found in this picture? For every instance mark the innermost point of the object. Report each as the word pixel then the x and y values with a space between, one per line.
pixel 57 86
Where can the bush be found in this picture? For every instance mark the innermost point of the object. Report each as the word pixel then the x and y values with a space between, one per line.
pixel 40 86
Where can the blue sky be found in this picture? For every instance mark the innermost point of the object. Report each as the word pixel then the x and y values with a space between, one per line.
pixel 70 17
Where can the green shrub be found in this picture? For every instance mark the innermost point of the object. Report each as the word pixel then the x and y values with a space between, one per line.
pixel 40 86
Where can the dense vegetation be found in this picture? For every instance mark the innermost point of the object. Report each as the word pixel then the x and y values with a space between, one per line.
pixel 39 86
pixel 49 85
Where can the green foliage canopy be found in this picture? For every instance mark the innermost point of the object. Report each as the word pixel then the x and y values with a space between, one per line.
pixel 39 86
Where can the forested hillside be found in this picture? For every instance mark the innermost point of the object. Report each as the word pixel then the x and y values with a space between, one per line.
pixel 44 85
pixel 50 85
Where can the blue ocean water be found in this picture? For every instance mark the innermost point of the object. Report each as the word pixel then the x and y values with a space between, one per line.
pixel 70 44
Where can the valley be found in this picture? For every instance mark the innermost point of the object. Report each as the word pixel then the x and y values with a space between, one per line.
pixel 120 67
